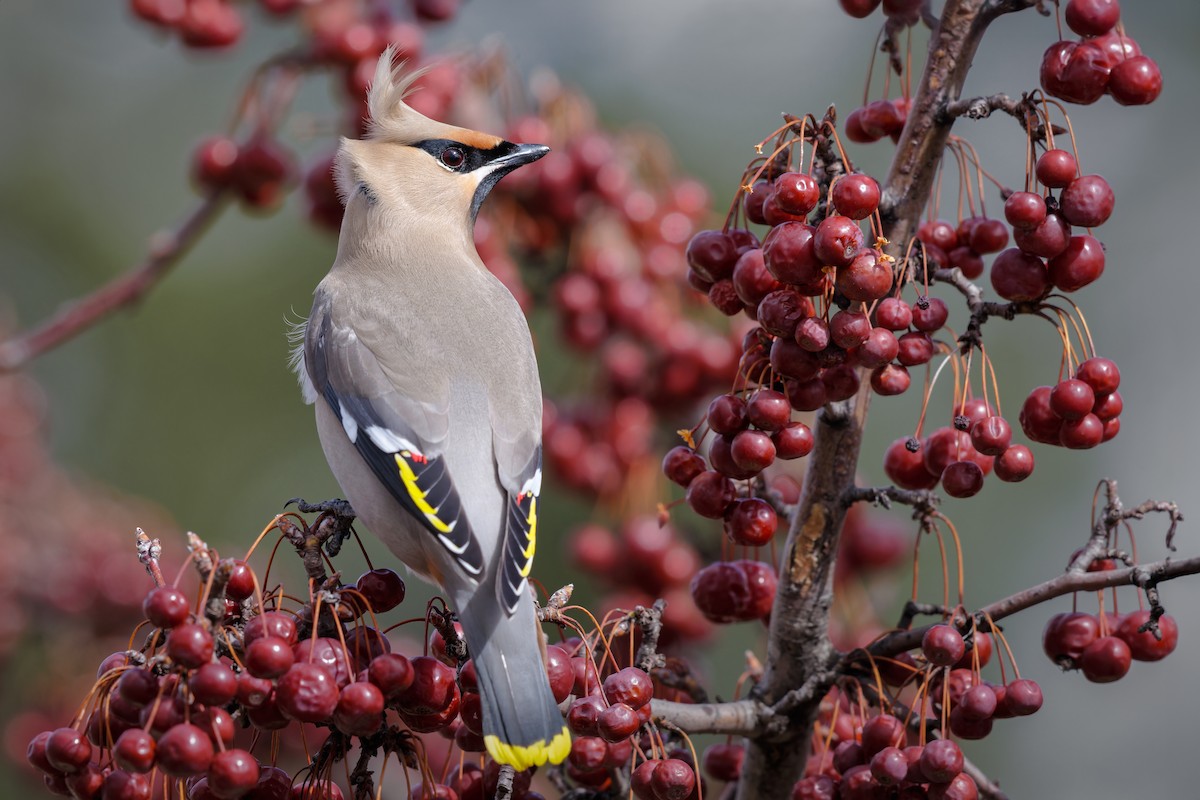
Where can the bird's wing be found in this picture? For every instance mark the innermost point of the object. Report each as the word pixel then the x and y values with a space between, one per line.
pixel 398 423
pixel 516 442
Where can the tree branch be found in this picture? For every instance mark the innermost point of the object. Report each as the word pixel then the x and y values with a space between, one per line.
pixel 166 249
pixel 1143 575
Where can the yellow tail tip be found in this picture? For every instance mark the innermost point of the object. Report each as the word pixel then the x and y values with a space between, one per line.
pixel 534 755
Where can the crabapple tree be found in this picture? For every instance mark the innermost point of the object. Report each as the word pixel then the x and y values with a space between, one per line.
pixel 734 359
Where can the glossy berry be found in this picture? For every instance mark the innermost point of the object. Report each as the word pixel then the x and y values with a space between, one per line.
pixel 751 522
pixel 1020 276
pixel 213 684
pixel 941 760
pixel 232 773
pixel 1022 697
pixel 190 645
pixel 1099 373
pixel 184 750
pixel 1046 240
pixel 1014 464
pixel 710 493
pixel 942 645
pixel 673 779
pixel 1077 266
pixel 1075 71
pixel 855 195
pixel 962 479
pixel 1135 81
pixel 837 240
pixel 166 606
pixel 1072 399
pixel 681 464
pixel 1143 646
pixel 1025 209
pixel 382 588
pixel 795 440
pixel 727 414
pixel 797 193
pixel 1092 17
pixel 1055 168
pixel 1105 660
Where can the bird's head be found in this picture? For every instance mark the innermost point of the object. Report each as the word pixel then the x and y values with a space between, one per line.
pixel 414 167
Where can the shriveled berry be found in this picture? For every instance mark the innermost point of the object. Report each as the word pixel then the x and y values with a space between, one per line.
pixel 1087 201
pixel 307 693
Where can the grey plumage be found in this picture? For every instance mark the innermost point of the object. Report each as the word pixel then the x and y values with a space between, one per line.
pixel 427 396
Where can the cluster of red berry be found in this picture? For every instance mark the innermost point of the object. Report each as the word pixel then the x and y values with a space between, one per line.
pixel 216 24
pixel 867 755
pixel 1104 61
pixel 1104 646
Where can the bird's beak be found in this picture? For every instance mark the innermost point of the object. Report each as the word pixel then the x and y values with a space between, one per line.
pixel 520 155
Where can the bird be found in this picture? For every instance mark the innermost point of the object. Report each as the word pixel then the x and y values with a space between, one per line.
pixel 421 368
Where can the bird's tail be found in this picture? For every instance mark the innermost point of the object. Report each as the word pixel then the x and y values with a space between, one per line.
pixel 522 725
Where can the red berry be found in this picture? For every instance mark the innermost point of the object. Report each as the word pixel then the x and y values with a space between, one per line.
pixel 712 255
pixel 307 693
pixel 721 592
pixel 1026 209
pixel 166 607
pixel 1014 464
pixel 1083 433
pixel 184 750
pixel 855 195
pixel 1135 81
pixel 1075 71
pixel 673 779
pixel 1105 660
pixel 797 193
pixel 894 314
pixel 794 440
pixel 1099 373
pixel 962 479
pixel 1038 420
pixel 1066 636
pixel 837 240
pixel 190 645
pixel 941 760
pixel 890 380
pixel 989 236
pixel 1022 697
pixel 906 468
pixel 942 645
pixel 1087 201
pixel 1077 266
pixel 1055 169
pixel 1092 17
pixel 751 279
pixel 1072 399
pixel 359 710
pixel 1019 276
pixel 929 314
pixel 1046 240
pixel 232 773
pixel 269 657
pixel 1143 646
pixel 751 522
pixel 710 493
pixel 866 278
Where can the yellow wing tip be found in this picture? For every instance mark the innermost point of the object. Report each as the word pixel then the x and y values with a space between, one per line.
pixel 522 758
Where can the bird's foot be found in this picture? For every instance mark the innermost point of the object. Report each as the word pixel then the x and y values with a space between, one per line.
pixel 335 507
pixel 333 526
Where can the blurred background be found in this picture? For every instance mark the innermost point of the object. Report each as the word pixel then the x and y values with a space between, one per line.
pixel 183 415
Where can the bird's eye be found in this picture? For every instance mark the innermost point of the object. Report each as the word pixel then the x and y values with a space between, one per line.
pixel 453 157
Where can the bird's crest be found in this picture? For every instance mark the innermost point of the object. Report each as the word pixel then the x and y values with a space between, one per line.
pixel 390 117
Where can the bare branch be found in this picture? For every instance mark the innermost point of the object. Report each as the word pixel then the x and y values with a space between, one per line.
pixel 737 717
pixel 1144 576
